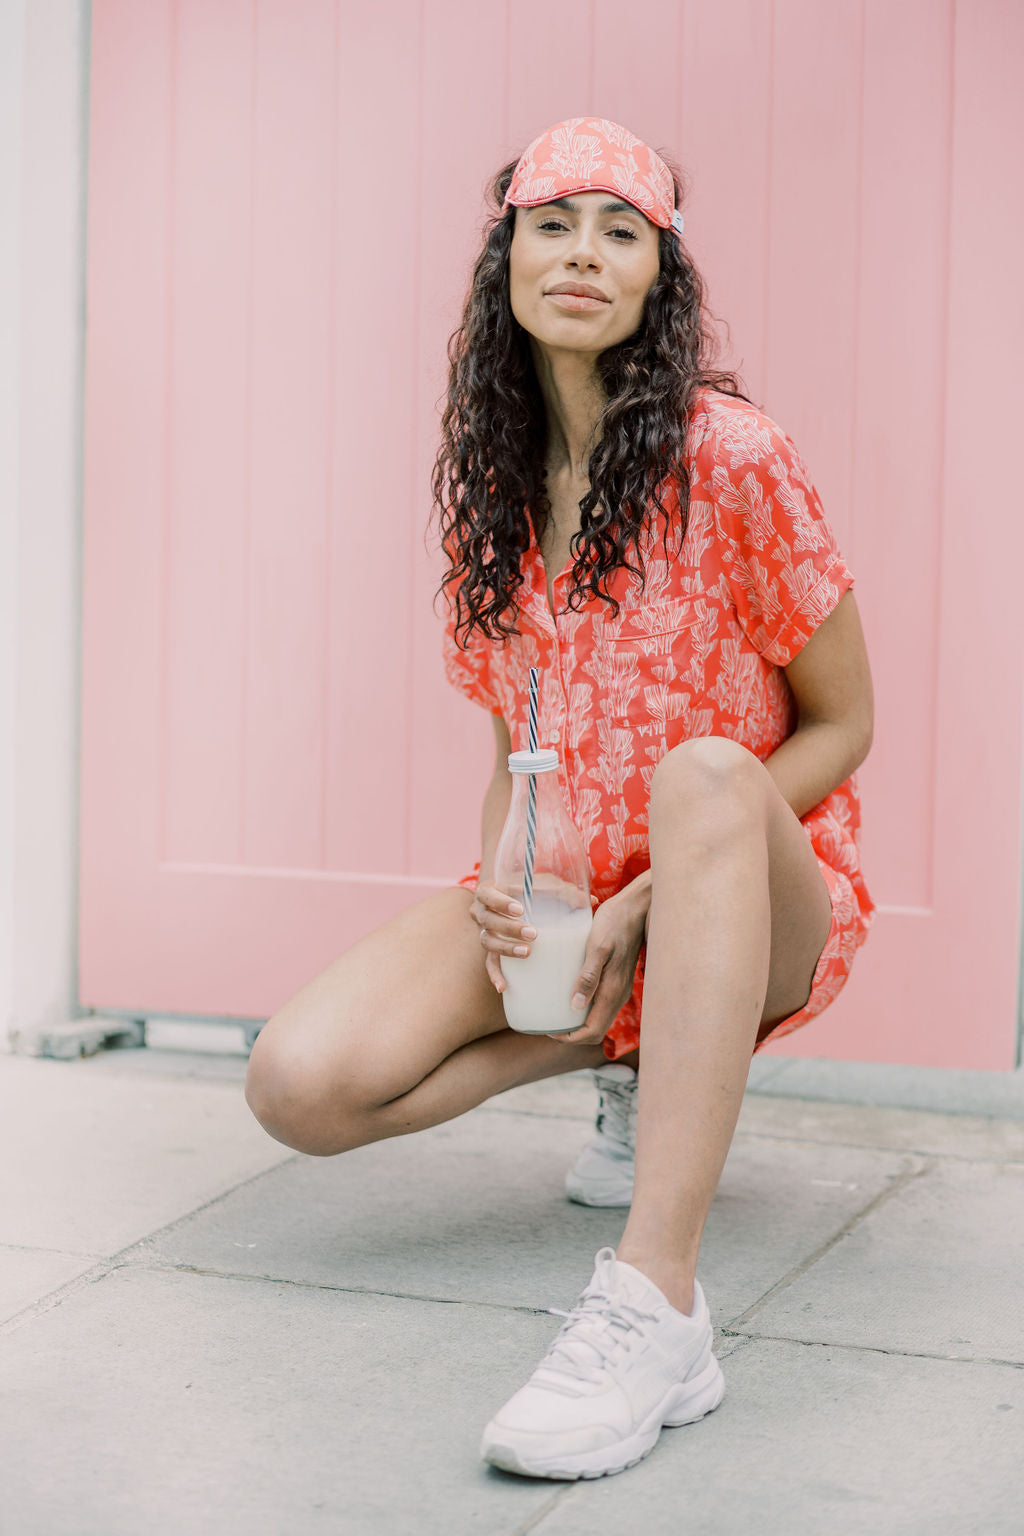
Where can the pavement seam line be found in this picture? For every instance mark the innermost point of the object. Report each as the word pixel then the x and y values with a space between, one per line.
pixel 878 1146
pixel 874 1146
pixel 122 1258
pixel 488 1107
pixel 55 1298
pixel 870 1349
pixel 898 1184
pixel 1010 1113
pixel 548 1507
pixel 169 1226
pixel 106 1267
pixel 152 1263
pixel 738 1341
pixel 67 1253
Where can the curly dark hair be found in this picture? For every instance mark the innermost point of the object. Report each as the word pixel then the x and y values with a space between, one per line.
pixel 490 465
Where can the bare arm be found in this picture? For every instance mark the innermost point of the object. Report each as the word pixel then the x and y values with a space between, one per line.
pixel 496 800
pixel 501 929
pixel 831 682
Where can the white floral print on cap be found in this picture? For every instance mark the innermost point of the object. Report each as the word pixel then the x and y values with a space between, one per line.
pixel 592 154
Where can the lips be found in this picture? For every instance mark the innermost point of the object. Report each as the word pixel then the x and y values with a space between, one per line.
pixel 581 290
pixel 577 303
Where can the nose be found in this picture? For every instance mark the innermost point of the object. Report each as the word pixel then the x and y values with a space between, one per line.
pixel 583 248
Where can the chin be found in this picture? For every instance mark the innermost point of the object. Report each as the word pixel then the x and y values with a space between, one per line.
pixel 571 336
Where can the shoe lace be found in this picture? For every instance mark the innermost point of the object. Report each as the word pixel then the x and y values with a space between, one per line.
pixel 593 1332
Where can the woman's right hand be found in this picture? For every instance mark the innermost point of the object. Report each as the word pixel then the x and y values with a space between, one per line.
pixel 503 928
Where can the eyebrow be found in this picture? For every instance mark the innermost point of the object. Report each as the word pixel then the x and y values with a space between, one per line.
pixel 571 207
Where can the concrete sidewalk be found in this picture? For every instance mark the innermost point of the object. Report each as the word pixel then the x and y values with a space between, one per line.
pixel 204 1332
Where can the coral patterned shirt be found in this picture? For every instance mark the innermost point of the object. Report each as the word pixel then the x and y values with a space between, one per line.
pixel 701 652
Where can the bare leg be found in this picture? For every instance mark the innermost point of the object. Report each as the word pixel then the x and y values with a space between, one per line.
pixel 739 915
pixel 403 1031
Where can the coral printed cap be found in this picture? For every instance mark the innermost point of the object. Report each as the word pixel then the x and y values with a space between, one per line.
pixel 591 154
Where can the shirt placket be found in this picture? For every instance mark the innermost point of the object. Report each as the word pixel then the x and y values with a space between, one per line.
pixel 563 657
pixel 552 638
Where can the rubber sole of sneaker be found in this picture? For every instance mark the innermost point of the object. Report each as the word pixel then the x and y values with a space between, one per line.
pixel 599 1195
pixel 684 1404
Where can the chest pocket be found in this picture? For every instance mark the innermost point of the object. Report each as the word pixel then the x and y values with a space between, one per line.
pixel 647 662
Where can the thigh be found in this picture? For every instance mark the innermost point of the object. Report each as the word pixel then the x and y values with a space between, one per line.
pixel 714 777
pixel 391 1008
pixel 801 908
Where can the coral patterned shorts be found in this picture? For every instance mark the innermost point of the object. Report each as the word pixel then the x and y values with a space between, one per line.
pixel 845 935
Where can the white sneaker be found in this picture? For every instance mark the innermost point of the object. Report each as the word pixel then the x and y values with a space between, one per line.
pixel 603 1172
pixel 624 1364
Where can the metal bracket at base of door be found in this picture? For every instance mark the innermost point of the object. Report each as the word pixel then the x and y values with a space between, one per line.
pixel 74 1038
pixel 94 1032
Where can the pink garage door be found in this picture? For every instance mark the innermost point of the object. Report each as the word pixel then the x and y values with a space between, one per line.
pixel 283 204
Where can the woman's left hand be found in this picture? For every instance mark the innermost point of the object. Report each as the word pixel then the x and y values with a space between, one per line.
pixel 609 965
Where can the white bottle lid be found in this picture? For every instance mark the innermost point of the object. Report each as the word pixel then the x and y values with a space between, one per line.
pixel 541 761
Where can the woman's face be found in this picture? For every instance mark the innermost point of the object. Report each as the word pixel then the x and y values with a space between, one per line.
pixel 586 239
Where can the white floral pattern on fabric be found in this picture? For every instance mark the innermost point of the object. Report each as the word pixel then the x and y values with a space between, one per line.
pixel 700 652
pixel 589 154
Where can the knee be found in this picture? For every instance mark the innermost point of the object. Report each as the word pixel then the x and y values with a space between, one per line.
pixel 715 782
pixel 291 1096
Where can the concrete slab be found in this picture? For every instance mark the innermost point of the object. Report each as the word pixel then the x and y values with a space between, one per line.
pixel 29 1274
pixel 873 1082
pixel 934 1270
pixel 937 1089
pixel 575 1096
pixel 174 1400
pixel 897 1130
pixel 93 1162
pixel 928 1132
pixel 163 1403
pixel 475 1210
pixel 572 1096
pixel 817 1439
pixel 151 1061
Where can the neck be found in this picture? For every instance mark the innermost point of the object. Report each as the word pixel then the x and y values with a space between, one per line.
pixel 574 400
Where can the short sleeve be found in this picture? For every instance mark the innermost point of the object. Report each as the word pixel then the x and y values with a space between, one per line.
pixel 470 671
pixel 779 554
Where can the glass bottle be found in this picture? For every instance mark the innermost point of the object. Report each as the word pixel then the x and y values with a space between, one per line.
pixel 538 987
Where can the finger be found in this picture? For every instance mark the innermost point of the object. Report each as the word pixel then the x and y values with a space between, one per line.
pixel 582 1034
pixel 588 980
pixel 503 946
pixel 492 965
pixel 500 917
pixel 517 930
pixel 599 1018
pixel 587 1034
pixel 595 1026
pixel 499 901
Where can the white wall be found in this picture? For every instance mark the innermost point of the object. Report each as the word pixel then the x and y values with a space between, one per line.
pixel 43 148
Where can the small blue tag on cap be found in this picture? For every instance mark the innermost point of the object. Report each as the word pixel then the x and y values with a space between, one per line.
pixel 677 221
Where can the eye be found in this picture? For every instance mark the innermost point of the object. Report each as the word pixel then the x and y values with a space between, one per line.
pixel 622 229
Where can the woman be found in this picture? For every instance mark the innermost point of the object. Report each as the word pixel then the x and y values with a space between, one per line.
pixel 710 701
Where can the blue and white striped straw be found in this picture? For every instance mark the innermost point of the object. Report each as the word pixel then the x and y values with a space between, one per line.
pixel 531 808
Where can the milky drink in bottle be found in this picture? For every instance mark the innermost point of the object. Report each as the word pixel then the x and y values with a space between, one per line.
pixel 541 862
